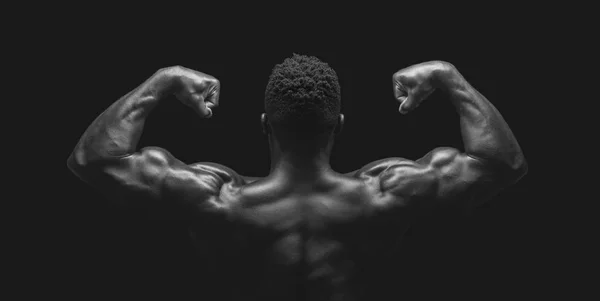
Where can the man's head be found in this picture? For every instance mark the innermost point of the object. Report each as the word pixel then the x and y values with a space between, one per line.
pixel 303 98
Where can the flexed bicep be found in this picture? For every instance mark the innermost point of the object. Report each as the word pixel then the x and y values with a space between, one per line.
pixel 491 160
pixel 107 156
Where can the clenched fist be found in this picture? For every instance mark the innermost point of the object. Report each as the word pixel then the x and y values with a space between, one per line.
pixel 194 89
pixel 413 84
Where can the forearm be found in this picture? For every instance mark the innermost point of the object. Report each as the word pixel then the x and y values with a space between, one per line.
pixel 116 132
pixel 485 133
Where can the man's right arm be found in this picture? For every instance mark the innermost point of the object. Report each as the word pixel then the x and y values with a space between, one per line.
pixel 491 160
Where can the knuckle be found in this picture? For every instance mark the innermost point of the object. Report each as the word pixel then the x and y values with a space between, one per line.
pixel 171 69
pixel 446 65
pixel 176 68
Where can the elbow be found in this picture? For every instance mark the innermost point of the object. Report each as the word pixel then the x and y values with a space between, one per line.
pixel 524 168
pixel 76 163
pixel 521 167
pixel 518 169
pixel 72 164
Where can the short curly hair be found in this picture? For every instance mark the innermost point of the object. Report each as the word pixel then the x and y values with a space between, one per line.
pixel 303 95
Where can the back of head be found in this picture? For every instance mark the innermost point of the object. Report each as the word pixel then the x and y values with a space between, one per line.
pixel 303 96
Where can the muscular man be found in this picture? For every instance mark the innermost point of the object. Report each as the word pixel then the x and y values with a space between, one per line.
pixel 304 231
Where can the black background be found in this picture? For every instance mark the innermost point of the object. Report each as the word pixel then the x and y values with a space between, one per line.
pixel 498 250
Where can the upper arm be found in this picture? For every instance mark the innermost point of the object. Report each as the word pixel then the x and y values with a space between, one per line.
pixel 444 176
pixel 153 176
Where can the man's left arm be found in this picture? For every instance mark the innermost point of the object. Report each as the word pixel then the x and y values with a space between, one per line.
pixel 107 157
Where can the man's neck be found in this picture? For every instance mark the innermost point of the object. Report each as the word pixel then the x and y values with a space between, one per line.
pixel 300 159
pixel 300 166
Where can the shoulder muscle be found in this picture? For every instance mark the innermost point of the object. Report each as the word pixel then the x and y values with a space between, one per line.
pixel 444 174
pixel 155 174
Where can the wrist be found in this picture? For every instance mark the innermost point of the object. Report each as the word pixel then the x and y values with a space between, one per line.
pixel 163 83
pixel 449 79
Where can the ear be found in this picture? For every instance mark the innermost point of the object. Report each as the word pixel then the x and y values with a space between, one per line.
pixel 264 121
pixel 340 124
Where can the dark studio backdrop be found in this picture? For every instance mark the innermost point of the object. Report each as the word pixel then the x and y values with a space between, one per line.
pixel 495 250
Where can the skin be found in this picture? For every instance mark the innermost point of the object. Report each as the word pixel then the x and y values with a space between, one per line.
pixel 294 233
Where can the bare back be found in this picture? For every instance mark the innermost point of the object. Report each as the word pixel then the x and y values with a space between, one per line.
pixel 319 241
